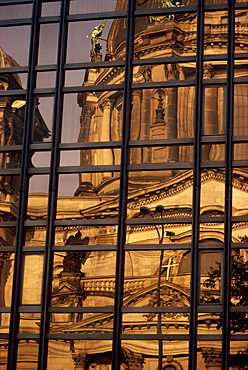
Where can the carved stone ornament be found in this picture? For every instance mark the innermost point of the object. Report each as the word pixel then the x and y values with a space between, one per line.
pixel 79 361
pixel 208 70
pixel 146 72
pixel 168 298
pixel 212 357
pixel 171 71
pixel 170 361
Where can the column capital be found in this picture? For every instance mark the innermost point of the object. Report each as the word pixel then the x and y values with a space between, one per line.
pixel 79 361
pixel 88 110
pixel 107 104
pixel 134 361
pixel 212 357
pixel 137 93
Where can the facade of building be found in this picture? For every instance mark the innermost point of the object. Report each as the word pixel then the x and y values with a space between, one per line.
pixel 143 263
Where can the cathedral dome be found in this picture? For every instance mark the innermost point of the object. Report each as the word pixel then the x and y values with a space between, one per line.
pixel 7 61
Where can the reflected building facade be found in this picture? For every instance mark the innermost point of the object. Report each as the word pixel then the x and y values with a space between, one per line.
pixel 131 270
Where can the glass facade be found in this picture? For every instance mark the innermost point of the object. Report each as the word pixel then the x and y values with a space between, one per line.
pixel 123 184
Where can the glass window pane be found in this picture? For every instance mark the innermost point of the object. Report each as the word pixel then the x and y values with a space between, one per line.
pixel 32 279
pixel 156 36
pixel 14 42
pixel 82 7
pixel 215 32
pixel 95 47
pixel 48 43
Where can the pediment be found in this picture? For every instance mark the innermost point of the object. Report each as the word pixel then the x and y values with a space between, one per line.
pixel 64 288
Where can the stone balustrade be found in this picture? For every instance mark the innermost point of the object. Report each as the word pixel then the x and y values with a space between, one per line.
pixel 108 285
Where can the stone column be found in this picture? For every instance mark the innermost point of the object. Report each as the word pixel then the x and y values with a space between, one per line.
pixel 85 155
pixel 210 110
pixel 146 72
pixel 145 127
pixel 171 74
pixel 106 155
pixel 135 153
pixel 79 361
pixel 212 358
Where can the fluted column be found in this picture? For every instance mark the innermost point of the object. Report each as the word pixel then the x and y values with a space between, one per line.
pixel 135 153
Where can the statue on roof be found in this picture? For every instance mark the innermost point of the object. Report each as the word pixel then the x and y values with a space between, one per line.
pixel 73 260
pixel 95 37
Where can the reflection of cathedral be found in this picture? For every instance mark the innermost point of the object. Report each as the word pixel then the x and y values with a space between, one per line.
pixel 86 277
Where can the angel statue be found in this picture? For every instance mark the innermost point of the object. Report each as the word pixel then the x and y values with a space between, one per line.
pixel 95 36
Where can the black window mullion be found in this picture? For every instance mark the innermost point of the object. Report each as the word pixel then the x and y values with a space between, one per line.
pixel 120 256
pixel 194 287
pixel 53 188
pixel 226 279
pixel 23 194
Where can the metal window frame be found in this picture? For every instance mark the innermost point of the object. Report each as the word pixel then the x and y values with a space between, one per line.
pixel 56 147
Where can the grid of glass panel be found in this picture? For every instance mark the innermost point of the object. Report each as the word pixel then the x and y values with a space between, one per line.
pixel 123 229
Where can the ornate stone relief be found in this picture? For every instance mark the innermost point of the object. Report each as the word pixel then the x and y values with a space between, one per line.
pixel 168 298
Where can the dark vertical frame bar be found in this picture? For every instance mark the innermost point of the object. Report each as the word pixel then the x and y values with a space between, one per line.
pixel 53 188
pixel 120 257
pixel 226 279
pixel 194 288
pixel 22 206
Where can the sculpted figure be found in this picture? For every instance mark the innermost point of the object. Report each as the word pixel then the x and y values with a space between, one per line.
pixel 95 35
pixel 73 260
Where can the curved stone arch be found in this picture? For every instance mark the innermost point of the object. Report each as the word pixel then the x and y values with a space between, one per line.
pixel 145 292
